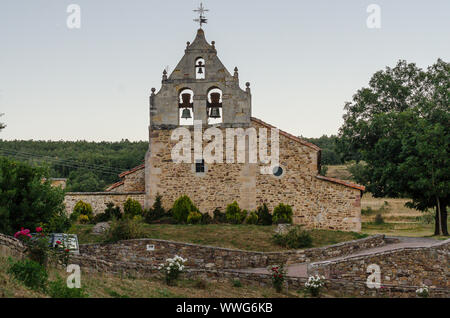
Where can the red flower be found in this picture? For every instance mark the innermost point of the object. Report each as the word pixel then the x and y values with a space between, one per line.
pixel 67 250
pixel 58 242
pixel 39 229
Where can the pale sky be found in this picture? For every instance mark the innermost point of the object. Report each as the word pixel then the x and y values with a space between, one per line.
pixel 304 59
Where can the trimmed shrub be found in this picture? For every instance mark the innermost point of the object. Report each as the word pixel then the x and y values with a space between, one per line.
pixel 234 214
pixel 59 289
pixel 132 208
pixel 206 218
pixel 83 219
pixel 282 213
pixel 124 229
pixel 156 212
pixel 82 208
pixel 30 273
pixel 194 218
pixel 264 216
pixel 219 217
pixel 295 238
pixel 111 212
pixel 58 223
pixel 252 218
pixel 182 207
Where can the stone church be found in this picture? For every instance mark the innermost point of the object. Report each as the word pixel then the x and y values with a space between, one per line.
pixel 200 88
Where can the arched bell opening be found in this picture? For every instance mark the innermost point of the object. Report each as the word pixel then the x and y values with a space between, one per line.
pixel 214 106
pixel 186 107
pixel 200 68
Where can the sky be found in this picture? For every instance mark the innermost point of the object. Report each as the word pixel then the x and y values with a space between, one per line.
pixel 304 59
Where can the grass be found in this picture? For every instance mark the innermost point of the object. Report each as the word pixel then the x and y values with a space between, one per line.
pixel 244 237
pixel 399 220
pixel 101 285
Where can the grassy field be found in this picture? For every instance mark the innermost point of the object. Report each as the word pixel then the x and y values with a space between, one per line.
pixel 244 237
pixel 398 219
pixel 108 286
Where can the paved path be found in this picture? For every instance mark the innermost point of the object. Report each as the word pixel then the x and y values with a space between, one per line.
pixel 300 270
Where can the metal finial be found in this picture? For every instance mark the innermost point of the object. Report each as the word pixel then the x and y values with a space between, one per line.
pixel 201 19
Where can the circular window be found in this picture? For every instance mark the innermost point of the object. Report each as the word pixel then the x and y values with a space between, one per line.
pixel 277 171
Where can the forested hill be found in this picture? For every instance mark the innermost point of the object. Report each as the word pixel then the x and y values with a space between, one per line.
pixel 89 166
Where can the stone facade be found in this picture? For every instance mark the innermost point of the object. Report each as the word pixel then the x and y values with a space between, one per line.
pixel 408 266
pixel 98 200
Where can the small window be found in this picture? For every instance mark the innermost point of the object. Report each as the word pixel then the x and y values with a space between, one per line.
pixel 200 166
pixel 200 68
pixel 278 171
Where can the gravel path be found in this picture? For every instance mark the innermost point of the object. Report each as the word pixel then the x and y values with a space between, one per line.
pixel 300 270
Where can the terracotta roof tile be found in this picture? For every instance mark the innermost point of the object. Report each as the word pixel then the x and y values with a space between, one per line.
pixel 123 174
pixel 345 183
pixel 114 185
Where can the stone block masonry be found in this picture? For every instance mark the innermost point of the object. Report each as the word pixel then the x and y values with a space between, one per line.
pixel 98 200
pixel 407 266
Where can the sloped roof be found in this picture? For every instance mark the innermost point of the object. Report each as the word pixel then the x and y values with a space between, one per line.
pixel 123 174
pixel 114 185
pixel 345 183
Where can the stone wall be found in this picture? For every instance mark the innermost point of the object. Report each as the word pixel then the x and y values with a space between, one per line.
pixel 98 200
pixel 10 246
pixel 199 256
pixel 406 266
pixel 316 203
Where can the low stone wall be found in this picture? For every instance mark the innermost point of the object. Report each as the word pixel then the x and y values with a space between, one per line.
pixel 209 257
pixel 405 266
pixel 10 246
pixel 333 287
pixel 98 200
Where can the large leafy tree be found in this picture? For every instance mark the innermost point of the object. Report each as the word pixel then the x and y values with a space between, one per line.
pixel 399 126
pixel 26 199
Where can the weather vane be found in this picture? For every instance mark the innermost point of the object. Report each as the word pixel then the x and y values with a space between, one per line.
pixel 201 11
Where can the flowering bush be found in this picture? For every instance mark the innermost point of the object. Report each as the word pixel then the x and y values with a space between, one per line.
pixel 423 291
pixel 314 284
pixel 172 268
pixel 23 235
pixel 278 275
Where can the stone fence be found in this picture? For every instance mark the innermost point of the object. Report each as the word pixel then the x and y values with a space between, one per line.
pixel 407 266
pixel 98 200
pixel 152 252
pixel 10 246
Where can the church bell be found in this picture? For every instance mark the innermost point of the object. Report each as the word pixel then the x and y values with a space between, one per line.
pixel 215 112
pixel 186 114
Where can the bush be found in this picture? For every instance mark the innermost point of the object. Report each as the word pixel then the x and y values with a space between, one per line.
pixel 83 219
pixel 264 216
pixel 237 283
pixel 30 273
pixel 379 219
pixel 282 213
pixel 252 218
pixel 82 208
pixel 206 218
pixel 111 212
pixel 156 212
pixel 234 214
pixel 58 223
pixel 219 217
pixel 182 207
pixel 124 229
pixel 194 217
pixel 25 199
pixel 59 289
pixel 132 208
pixel 295 238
